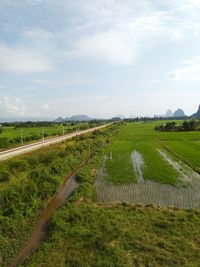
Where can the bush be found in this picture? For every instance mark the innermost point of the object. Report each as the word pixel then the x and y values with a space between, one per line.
pixel 57 167
pixel 18 165
pixel 47 158
pixel 4 176
pixel 4 142
pixel 35 137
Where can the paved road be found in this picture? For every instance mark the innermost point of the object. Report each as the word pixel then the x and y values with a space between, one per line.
pixel 27 148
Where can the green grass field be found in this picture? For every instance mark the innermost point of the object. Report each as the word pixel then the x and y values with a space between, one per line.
pixel 142 137
pixel 12 132
pixel 94 235
pixel 120 166
pixel 12 136
pixel 188 152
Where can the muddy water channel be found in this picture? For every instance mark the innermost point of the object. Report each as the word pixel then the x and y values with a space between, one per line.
pixel 40 231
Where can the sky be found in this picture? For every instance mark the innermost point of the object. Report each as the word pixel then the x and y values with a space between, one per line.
pixel 98 57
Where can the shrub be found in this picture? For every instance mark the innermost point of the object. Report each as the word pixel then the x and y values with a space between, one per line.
pixel 4 142
pixel 18 165
pixel 4 176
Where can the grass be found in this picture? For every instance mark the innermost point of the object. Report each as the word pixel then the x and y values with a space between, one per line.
pixel 95 235
pixel 85 233
pixel 143 138
pixel 11 136
pixel 120 167
pixel 155 168
pixel 32 181
pixel 12 132
pixel 188 152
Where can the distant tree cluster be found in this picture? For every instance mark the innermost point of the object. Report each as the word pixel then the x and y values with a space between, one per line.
pixel 28 124
pixel 191 125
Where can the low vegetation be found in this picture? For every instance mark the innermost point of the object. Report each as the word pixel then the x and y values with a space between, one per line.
pixel 15 134
pixel 85 232
pixel 28 183
pixel 138 137
pixel 169 168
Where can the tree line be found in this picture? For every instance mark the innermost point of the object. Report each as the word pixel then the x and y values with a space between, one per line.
pixel 191 125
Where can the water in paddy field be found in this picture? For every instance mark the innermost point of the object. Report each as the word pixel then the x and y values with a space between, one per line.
pixel 138 162
pixel 146 191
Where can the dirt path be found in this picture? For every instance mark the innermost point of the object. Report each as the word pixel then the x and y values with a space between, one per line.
pixel 41 229
pixel 138 162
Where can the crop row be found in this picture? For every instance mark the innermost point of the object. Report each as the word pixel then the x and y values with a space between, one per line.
pixel 148 193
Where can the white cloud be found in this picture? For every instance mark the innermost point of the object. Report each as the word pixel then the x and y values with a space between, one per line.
pixel 189 72
pixel 188 5
pixel 11 107
pixel 42 82
pixel 122 41
pixel 22 61
pixel 112 46
pixel 39 34
pixel 44 108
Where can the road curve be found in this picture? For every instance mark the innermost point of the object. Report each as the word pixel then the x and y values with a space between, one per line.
pixel 30 147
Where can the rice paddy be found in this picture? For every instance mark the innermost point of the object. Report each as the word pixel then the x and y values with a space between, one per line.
pixel 151 167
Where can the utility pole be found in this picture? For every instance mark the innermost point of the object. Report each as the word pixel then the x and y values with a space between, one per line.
pixel 22 141
pixel 43 135
pixel 63 130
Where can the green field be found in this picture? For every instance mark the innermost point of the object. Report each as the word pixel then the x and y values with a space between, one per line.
pixel 143 138
pixel 187 151
pixel 94 235
pixel 89 232
pixel 14 136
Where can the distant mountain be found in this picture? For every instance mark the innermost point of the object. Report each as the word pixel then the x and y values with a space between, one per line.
pixel 197 114
pixel 80 117
pixel 179 113
pixel 59 119
pixel 169 114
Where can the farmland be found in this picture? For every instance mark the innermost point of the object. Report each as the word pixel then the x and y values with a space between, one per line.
pixel 168 164
pixel 143 138
pixel 119 215
pixel 15 135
